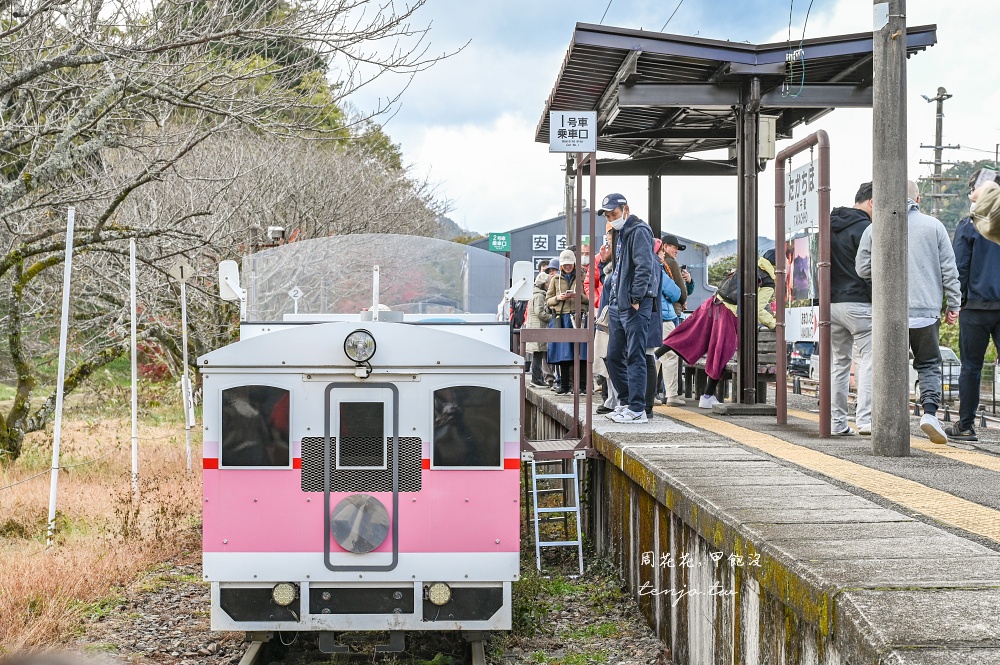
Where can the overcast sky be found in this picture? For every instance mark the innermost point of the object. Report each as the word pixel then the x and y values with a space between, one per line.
pixel 469 122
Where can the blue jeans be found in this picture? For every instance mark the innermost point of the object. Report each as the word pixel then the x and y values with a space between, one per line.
pixel 626 359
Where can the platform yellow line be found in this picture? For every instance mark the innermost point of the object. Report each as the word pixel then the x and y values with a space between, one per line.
pixel 936 504
pixel 975 458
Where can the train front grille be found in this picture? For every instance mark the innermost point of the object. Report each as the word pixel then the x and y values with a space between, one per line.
pixel 361 479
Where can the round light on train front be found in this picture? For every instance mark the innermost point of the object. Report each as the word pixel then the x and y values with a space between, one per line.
pixel 359 346
pixel 284 594
pixel 439 593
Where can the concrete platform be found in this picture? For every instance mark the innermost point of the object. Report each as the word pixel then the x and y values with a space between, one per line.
pixel 877 560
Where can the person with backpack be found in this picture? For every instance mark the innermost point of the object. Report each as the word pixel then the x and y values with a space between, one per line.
pixel 712 331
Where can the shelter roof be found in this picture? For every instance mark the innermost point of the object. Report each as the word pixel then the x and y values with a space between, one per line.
pixel 665 96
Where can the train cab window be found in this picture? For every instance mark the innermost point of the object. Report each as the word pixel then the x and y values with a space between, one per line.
pixel 467 427
pixel 362 442
pixel 255 426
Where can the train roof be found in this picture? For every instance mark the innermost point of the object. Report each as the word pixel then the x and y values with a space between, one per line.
pixel 397 345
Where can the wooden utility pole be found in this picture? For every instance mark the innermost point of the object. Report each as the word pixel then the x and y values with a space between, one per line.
pixel 890 321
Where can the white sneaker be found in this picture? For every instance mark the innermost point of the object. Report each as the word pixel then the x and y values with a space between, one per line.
pixel 865 430
pixel 707 402
pixel 619 410
pixel 932 428
pixel 628 416
pixel 676 400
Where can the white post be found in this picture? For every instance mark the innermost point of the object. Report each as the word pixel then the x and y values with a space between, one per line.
pixel 186 381
pixel 61 375
pixel 135 391
pixel 375 295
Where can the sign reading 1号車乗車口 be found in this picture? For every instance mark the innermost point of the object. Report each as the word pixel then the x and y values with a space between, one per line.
pixel 572 131
pixel 499 242
pixel 802 199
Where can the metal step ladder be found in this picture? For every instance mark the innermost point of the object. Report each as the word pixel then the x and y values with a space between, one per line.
pixel 563 510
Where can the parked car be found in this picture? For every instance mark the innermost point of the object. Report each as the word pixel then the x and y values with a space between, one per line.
pixel 950 369
pixel 798 357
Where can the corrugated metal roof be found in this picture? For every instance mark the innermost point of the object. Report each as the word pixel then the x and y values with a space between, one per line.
pixel 599 58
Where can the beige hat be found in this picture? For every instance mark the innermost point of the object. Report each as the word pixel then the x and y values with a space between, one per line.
pixel 567 258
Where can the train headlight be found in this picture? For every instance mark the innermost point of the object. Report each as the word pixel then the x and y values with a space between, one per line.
pixel 284 594
pixel 359 346
pixel 439 593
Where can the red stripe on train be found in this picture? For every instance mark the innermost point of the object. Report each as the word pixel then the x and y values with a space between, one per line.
pixel 210 463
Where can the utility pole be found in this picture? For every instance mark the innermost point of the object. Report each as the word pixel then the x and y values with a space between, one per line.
pixel 890 321
pixel 936 193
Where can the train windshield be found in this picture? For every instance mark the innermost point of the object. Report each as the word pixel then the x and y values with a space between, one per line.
pixel 333 275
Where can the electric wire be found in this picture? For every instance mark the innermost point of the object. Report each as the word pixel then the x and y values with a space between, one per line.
pixel 672 15
pixel 61 466
pixel 601 22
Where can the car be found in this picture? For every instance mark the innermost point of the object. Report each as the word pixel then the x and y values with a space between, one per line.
pixel 798 357
pixel 950 370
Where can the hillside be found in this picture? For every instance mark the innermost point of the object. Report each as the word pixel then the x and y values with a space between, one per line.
pixel 721 250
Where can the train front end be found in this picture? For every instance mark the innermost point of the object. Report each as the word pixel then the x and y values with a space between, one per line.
pixel 361 471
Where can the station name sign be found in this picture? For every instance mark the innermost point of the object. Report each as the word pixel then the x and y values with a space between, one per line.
pixel 572 131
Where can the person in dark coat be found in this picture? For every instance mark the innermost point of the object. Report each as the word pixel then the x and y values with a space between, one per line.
pixel 633 287
pixel 978 262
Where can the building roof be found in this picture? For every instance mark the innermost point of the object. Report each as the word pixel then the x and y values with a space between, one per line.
pixel 666 96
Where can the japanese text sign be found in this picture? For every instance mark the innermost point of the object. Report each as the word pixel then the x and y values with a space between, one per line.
pixel 802 199
pixel 572 131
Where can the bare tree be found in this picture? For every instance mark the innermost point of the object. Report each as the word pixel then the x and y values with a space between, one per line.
pixel 101 100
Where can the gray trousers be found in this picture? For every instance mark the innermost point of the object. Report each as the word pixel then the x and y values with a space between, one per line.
pixel 927 361
pixel 850 330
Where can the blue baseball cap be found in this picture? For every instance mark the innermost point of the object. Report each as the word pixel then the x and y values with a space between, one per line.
pixel 610 202
pixel 553 265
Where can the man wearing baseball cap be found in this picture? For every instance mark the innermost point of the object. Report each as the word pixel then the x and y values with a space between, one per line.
pixel 632 286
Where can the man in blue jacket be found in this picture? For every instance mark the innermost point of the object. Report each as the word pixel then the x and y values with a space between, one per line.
pixel 978 262
pixel 633 288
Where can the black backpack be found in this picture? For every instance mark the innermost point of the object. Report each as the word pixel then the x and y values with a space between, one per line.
pixel 518 313
pixel 729 287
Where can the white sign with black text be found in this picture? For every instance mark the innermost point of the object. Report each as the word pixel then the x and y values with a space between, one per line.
pixel 802 199
pixel 572 131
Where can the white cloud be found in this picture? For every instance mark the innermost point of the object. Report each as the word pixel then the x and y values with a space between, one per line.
pixel 496 179
pixel 499 178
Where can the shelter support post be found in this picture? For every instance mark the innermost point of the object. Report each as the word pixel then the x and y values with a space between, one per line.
pixel 890 322
pixel 749 118
pixel 655 205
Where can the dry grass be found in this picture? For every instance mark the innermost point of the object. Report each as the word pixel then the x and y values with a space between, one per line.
pixel 104 538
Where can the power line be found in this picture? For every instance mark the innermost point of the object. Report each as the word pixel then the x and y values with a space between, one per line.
pixel 791 6
pixel 672 16
pixel 605 12
pixel 63 466
pixel 805 23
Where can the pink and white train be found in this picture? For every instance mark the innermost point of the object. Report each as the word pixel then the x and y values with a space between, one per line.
pixel 361 444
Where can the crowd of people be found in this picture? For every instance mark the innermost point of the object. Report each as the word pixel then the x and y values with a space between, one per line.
pixel 639 298
pixel 640 295
pixel 963 273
